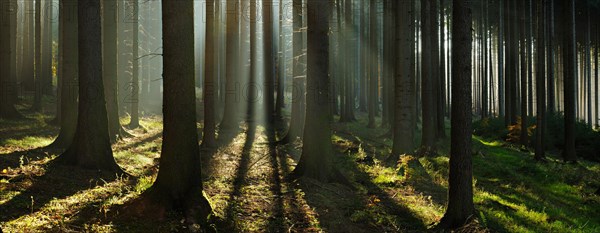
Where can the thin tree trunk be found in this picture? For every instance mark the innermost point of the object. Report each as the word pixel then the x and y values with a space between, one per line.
pixel 427 84
pixel 372 63
pixel 551 75
pixel 523 51
pixel 135 83
pixel 570 76
pixel 540 84
pixel 37 98
pixel 210 68
pixel 268 62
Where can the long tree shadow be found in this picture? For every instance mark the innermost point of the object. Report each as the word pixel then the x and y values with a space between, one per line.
pixel 139 142
pixel 277 220
pixel 240 176
pixel 56 183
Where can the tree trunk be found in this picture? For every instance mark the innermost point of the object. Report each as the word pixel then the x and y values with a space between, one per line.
pixel 501 67
pixel 178 185
pixel 298 81
pixel 460 184
pixel 404 82
pixel 316 161
pixel 91 144
pixel 570 75
pixel 135 83
pixel 427 84
pixel 540 84
pixel 27 70
pixel 551 75
pixel 435 72
pixel 229 123
pixel 8 90
pixel 269 65
pixel 523 51
pixel 110 61
pixel 69 75
pixel 37 98
pixel 372 63
pixel 208 138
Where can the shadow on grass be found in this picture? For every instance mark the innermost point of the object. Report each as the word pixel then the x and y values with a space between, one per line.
pixel 57 182
pixel 240 177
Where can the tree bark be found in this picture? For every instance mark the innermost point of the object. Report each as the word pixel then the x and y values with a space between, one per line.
pixel 91 145
pixel 135 83
pixel 316 161
pixel 460 184
pixel 209 138
pixel 540 84
pixel 523 51
pixel 178 185
pixel 570 74
pixel 69 75
pixel 372 63
pixel 7 86
pixel 427 84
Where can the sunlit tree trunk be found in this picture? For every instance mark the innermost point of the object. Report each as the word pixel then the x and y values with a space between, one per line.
pixel 460 183
pixel 232 93
pixel 570 75
pixel 69 74
pixel 91 144
pixel 37 98
pixel 110 61
pixel 588 71
pixel 299 79
pixel 135 86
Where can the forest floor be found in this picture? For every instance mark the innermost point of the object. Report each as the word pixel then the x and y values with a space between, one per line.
pixel 245 182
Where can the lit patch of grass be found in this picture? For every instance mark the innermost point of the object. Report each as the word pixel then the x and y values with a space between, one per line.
pixel 29 142
pixel 132 162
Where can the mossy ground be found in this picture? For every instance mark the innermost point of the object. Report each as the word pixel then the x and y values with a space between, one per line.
pixel 245 181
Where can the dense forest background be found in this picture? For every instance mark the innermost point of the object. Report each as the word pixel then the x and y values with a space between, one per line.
pixel 299 116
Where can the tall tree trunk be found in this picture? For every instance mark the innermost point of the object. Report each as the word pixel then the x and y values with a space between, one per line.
pixel 570 75
pixel 27 70
pixel 69 74
pixel 404 82
pixel 588 71
pixel 427 84
pixel 523 51
pixel 501 66
pixel 7 86
pixel 281 77
pixel 37 98
pixel 210 68
pixel 299 79
pixel 91 144
pixel 460 182
pixel 540 84
pixel 47 48
pixel 110 62
pixel 178 185
pixel 372 63
pixel 229 123
pixel 269 65
pixel 316 161
pixel 364 48
pixel 435 71
pixel 551 75
pixel 135 83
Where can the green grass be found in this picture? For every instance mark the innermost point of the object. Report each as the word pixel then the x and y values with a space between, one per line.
pixel 248 191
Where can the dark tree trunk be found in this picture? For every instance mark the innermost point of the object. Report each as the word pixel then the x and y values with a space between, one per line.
pixel 460 183
pixel 27 70
pixel 316 161
pixel 8 90
pixel 210 68
pixel 570 74
pixel 69 74
pixel 404 82
pixel 372 63
pixel 435 71
pixel 178 185
pixel 91 144
pixel 427 84
pixel 364 50
pixel 37 98
pixel 269 65
pixel 523 52
pixel 501 67
pixel 540 84
pixel 550 46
